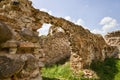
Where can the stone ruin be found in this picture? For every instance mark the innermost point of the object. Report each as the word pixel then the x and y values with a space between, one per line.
pixel 113 39
pixel 23 53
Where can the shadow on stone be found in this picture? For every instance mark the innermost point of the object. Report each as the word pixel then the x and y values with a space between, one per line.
pixel 105 70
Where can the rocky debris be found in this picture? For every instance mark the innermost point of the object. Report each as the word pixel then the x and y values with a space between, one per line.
pixel 113 39
pixel 64 38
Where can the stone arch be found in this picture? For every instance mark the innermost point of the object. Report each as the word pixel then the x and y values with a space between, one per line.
pixel 83 44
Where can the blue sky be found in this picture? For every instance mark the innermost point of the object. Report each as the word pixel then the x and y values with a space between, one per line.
pixel 99 16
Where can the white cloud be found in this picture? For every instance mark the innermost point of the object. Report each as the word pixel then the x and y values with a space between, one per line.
pixel 78 22
pixel 81 22
pixel 108 23
pixel 67 18
pixel 97 31
pixel 45 10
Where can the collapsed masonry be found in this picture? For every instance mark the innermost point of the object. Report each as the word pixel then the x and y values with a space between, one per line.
pixel 23 49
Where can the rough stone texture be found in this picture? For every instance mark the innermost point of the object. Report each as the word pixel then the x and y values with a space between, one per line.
pixel 18 37
pixel 30 71
pixel 19 67
pixel 55 49
pixel 10 66
pixel 113 39
pixel 7 33
pixel 87 50
pixel 24 20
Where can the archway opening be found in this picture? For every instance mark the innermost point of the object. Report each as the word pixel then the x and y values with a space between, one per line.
pixel 44 30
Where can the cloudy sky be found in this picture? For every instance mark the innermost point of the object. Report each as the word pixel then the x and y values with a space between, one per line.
pixel 99 16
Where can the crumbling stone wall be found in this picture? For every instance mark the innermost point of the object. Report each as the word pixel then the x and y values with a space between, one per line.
pixel 19 38
pixel 55 49
pixel 113 39
pixel 23 21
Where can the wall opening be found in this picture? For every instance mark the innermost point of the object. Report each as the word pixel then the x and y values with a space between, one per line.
pixel 44 30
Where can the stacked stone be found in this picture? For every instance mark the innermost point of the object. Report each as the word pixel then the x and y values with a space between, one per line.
pixel 19 41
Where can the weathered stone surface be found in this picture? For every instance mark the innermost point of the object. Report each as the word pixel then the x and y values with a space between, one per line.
pixel 5 33
pixel 113 39
pixel 30 71
pixel 28 35
pixel 10 43
pixel 26 45
pixel 20 67
pixel 9 66
pixel 55 48
pixel 86 51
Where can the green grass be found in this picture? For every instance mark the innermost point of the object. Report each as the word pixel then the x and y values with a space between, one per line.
pixel 61 72
pixel 107 70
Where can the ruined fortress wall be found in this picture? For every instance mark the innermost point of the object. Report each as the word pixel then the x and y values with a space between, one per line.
pixel 23 21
